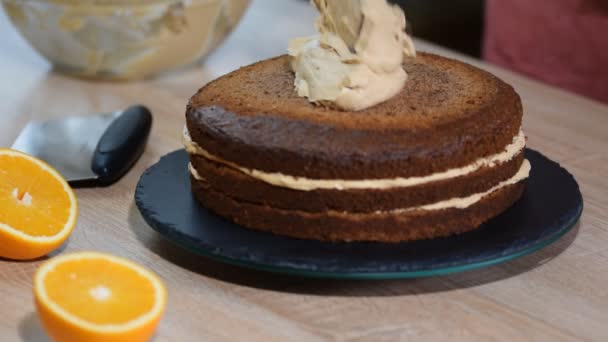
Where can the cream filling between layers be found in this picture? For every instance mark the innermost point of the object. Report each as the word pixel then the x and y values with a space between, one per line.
pixel 465 202
pixel 307 184
pixel 456 202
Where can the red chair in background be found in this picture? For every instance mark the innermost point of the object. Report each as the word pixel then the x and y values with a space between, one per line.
pixel 561 42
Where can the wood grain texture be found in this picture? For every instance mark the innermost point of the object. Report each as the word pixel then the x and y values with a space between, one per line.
pixel 557 294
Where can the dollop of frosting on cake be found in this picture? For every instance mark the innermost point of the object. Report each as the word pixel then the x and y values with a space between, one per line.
pixel 356 59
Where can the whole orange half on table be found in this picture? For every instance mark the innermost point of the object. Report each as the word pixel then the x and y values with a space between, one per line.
pixel 91 297
pixel 38 209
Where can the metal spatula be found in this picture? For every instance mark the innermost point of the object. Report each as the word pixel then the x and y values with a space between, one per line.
pixel 95 150
pixel 347 19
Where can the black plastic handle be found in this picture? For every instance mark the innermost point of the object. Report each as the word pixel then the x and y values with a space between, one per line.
pixel 122 144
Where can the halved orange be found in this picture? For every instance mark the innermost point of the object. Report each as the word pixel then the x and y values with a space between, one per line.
pixel 91 297
pixel 38 209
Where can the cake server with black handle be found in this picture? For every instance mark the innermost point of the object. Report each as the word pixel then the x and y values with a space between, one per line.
pixel 89 151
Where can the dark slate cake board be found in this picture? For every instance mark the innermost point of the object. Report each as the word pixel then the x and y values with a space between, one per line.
pixel 550 207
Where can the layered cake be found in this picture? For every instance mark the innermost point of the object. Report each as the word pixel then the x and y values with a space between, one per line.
pixel 440 156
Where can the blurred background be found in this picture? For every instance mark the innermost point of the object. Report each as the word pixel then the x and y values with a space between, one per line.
pixel 456 24
pixel 560 42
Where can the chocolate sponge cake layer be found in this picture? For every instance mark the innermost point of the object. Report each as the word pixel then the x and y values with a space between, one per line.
pixel 448 115
pixel 241 187
pixel 343 226
pixel 440 158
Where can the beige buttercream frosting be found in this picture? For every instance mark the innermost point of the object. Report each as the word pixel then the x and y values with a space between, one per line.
pixel 194 173
pixel 307 184
pixel 356 60
pixel 465 202
pixel 456 202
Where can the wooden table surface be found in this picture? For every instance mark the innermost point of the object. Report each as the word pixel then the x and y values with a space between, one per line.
pixel 559 293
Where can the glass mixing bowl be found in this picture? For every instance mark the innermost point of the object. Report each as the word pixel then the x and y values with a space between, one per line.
pixel 123 39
